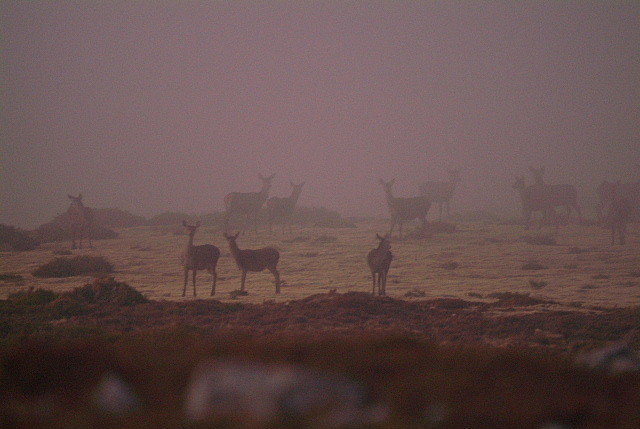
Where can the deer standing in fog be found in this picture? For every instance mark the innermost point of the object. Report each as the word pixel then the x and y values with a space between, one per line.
pixel 202 257
pixel 630 191
pixel 247 204
pixel 254 260
pixel 534 199
pixel 80 221
pixel 283 208
pixel 379 260
pixel 618 214
pixel 441 192
pixel 557 195
pixel 405 209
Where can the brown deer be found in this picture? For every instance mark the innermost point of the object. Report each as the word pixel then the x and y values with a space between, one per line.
pixel 80 221
pixel 619 213
pixel 534 199
pixel 405 209
pixel 247 204
pixel 557 195
pixel 283 207
pixel 441 192
pixel 379 260
pixel 254 260
pixel 202 257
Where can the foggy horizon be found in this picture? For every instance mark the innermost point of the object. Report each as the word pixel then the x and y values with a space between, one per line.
pixel 168 106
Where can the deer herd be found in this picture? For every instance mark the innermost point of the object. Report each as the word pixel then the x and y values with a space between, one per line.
pixel 617 202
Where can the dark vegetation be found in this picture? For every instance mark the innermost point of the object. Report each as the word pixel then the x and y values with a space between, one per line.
pixel 14 239
pixel 429 361
pixel 543 240
pixel 74 266
pixel 58 230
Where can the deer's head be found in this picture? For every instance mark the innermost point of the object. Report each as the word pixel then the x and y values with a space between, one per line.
pixel 384 242
pixel 191 229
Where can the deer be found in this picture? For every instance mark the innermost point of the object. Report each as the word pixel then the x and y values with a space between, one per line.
pixel 405 209
pixel 557 195
pixel 441 192
pixel 379 260
pixel 254 260
pixel 534 199
pixel 283 207
pixel 628 190
pixel 202 257
pixel 80 221
pixel 247 204
pixel 619 213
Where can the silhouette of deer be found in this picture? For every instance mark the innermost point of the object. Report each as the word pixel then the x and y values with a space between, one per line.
pixel 441 192
pixel 405 209
pixel 619 213
pixel 283 207
pixel 630 191
pixel 534 199
pixel 202 257
pixel 247 204
pixel 80 221
pixel 254 260
pixel 379 260
pixel 557 195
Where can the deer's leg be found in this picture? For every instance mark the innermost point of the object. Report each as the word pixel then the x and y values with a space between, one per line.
pixel 194 281
pixel 244 277
pixel 215 279
pixel 276 276
pixel 186 278
pixel 373 278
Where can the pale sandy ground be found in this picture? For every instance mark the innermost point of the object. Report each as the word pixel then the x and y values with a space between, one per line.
pixel 583 269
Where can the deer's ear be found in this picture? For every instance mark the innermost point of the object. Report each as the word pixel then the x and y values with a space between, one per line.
pixel 236 236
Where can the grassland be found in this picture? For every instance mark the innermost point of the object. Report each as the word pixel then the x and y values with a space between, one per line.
pixel 478 259
pixel 480 329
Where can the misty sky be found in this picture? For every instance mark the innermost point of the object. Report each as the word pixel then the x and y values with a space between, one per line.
pixel 168 105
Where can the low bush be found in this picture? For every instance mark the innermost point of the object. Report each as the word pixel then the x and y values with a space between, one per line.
pixel 544 240
pixel 75 266
pixel 59 230
pixel 14 239
pixel 533 265
pixel 107 290
pixel 33 297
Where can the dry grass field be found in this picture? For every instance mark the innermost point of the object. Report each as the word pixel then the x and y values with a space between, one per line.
pixel 481 329
pixel 579 269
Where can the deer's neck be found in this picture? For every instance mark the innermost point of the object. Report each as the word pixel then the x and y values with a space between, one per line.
pixel 235 251
pixel 189 246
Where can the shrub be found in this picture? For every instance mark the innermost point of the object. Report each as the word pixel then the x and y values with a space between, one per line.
pixel 75 266
pixel 320 217
pixel 116 218
pixel 107 290
pixel 31 297
pixel 58 230
pixel 537 284
pixel 533 265
pixel 451 265
pixel 14 239
pixel 545 240
pixel 10 277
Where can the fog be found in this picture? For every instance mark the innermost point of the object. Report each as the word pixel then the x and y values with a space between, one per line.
pixel 170 105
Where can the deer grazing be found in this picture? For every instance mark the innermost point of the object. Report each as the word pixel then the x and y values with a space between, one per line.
pixel 80 221
pixel 405 209
pixel 556 195
pixel 247 204
pixel 254 260
pixel 282 208
pixel 534 199
pixel 202 257
pixel 441 192
pixel 379 260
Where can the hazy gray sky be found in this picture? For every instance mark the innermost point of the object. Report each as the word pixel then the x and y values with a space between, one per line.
pixel 169 105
